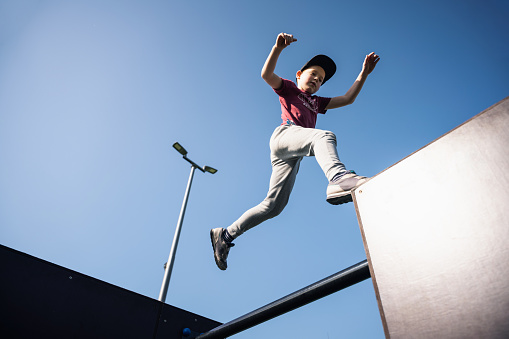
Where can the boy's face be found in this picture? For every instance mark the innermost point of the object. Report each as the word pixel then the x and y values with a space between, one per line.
pixel 310 79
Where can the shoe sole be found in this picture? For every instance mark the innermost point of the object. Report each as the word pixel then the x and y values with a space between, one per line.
pixel 214 250
pixel 340 198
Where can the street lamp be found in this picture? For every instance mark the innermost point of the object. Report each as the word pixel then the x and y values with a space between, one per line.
pixel 171 259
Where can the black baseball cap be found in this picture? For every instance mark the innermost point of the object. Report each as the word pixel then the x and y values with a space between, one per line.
pixel 324 62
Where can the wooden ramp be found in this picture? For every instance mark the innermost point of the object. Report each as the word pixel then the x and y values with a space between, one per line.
pixel 435 228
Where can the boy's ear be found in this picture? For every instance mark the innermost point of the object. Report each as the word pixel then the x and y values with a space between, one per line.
pixel 299 73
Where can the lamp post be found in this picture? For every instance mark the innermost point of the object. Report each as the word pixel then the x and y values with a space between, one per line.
pixel 171 258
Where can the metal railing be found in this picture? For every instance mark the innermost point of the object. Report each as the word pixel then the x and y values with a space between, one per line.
pixel 336 282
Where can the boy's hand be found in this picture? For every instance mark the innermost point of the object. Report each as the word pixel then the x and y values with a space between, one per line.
pixel 370 63
pixel 283 40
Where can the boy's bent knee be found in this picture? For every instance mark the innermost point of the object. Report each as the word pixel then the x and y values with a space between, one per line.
pixel 273 208
pixel 329 136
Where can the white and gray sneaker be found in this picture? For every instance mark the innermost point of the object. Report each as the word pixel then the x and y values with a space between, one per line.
pixel 221 247
pixel 340 191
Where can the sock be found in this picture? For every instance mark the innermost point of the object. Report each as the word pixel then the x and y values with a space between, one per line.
pixel 338 176
pixel 226 236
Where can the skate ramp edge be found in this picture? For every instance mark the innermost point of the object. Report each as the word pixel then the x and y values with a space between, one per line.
pixel 435 228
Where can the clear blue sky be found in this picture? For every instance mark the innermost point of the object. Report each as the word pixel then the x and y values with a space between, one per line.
pixel 94 93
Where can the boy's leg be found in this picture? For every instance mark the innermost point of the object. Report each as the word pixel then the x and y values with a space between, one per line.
pixel 299 141
pixel 304 142
pixel 288 145
pixel 284 172
pixel 281 184
pixel 341 181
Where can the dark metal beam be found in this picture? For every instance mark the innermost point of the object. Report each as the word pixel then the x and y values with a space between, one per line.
pixel 336 282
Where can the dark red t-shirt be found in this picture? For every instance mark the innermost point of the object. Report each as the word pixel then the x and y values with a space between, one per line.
pixel 299 106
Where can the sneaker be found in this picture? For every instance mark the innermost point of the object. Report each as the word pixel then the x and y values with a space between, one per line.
pixel 221 248
pixel 340 191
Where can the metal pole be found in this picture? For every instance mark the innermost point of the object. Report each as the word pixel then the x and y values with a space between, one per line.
pixel 171 258
pixel 343 279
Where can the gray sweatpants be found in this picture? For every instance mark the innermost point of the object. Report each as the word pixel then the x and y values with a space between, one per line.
pixel 288 145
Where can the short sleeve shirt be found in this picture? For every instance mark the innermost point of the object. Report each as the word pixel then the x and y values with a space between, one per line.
pixel 298 106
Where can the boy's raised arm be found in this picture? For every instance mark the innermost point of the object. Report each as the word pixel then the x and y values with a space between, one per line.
pixel 282 41
pixel 367 67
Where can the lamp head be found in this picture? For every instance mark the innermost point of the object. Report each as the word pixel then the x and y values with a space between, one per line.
pixel 210 170
pixel 180 149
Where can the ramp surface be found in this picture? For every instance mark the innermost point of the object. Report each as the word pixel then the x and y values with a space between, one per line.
pixel 436 231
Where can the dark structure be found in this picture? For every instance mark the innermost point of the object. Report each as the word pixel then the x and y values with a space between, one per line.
pixel 39 299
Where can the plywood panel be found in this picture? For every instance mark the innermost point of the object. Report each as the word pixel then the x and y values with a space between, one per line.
pixel 436 231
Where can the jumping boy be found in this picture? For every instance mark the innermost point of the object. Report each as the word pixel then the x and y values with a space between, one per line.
pixel 296 138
